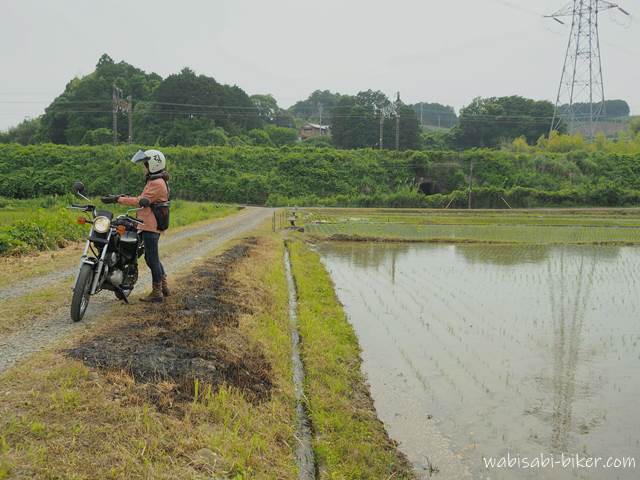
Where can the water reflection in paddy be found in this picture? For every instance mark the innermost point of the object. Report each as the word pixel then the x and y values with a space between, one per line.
pixel 478 350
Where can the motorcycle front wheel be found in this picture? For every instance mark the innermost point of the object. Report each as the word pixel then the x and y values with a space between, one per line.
pixel 80 299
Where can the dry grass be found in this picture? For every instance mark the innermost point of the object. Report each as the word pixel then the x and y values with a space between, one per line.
pixel 62 419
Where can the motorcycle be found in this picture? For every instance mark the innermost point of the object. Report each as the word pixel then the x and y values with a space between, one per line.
pixel 110 257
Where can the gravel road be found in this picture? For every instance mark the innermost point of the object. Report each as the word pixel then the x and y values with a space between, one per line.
pixel 29 285
pixel 44 331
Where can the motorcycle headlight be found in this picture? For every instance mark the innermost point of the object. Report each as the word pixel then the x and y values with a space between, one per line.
pixel 101 224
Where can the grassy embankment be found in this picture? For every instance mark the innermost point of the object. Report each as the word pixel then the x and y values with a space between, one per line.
pixel 558 175
pixel 538 226
pixel 62 418
pixel 46 223
pixel 349 441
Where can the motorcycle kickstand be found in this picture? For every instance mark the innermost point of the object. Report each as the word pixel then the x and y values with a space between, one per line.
pixel 124 297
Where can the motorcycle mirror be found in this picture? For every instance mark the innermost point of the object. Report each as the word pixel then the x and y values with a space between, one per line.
pixel 144 202
pixel 78 187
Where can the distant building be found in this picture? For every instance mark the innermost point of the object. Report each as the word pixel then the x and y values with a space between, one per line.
pixel 309 130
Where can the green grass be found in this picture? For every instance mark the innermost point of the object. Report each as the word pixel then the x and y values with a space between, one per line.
pixel 60 419
pixel 521 226
pixel 349 442
pixel 46 223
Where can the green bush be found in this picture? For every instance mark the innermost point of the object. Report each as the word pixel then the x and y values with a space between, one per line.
pixel 281 136
pixel 318 141
pixel 9 244
pixel 259 175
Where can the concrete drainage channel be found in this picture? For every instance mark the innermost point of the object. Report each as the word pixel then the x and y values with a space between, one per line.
pixel 304 452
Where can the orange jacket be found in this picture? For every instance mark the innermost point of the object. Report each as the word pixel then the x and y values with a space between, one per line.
pixel 156 191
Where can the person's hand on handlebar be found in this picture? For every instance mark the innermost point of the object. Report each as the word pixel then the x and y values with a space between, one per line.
pixel 110 198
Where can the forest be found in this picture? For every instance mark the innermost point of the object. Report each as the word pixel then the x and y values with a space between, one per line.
pixel 190 109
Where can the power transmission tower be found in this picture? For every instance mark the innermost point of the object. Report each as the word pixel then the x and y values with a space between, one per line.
pixel 581 81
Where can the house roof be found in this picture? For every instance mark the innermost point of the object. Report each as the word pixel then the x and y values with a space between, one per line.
pixel 315 125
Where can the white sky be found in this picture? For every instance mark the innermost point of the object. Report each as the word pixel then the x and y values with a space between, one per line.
pixel 429 50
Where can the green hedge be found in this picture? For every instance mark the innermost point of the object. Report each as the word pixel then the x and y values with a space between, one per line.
pixel 324 176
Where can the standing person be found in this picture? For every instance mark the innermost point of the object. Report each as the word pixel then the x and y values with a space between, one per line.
pixel 156 191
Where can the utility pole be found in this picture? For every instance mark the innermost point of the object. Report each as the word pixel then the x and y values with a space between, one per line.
pixel 120 105
pixel 398 121
pixel 130 117
pixel 470 182
pixel 114 105
pixel 581 81
pixel 320 110
pixel 381 110
pixel 421 119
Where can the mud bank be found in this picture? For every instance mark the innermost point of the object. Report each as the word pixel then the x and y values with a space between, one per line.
pixel 191 337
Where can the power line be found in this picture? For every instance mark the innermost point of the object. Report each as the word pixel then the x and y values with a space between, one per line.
pixel 517 7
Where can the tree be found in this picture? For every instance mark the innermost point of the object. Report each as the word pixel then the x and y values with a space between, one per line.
pixel 259 137
pixel 486 122
pixel 26 132
pixel 373 99
pixel 281 136
pixel 435 114
pixel 85 104
pixel 409 129
pixel 270 113
pixel 356 122
pixel 353 125
pixel 612 109
pixel 266 106
pixel 189 105
pixel 99 136
pixel 182 109
pixel 319 100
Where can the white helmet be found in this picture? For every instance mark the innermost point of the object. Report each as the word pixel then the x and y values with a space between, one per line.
pixel 155 159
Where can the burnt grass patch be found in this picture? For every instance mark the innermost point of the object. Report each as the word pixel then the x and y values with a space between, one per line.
pixel 192 338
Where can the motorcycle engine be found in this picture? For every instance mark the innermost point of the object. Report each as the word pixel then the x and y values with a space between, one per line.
pixel 130 274
pixel 111 259
pixel 116 277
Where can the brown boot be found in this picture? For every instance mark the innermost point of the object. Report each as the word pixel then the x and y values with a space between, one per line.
pixel 165 286
pixel 156 294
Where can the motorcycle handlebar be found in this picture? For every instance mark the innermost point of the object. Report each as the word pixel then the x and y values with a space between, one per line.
pixel 85 208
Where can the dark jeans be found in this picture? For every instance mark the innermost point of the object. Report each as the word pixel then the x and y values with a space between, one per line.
pixel 152 255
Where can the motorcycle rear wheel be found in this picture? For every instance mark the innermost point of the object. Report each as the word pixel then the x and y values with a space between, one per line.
pixel 80 300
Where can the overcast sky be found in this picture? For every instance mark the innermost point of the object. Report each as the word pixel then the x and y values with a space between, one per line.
pixel 429 50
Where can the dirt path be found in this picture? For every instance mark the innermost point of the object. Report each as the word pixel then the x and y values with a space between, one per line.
pixel 42 332
pixel 24 287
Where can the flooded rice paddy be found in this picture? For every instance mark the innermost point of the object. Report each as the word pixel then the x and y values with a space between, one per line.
pixel 479 351
pixel 496 233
